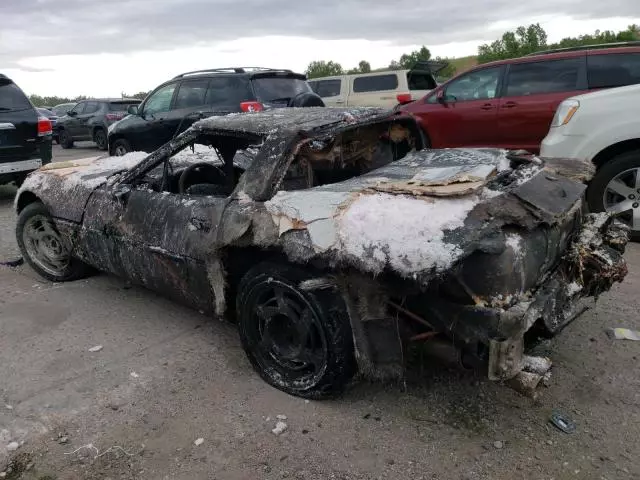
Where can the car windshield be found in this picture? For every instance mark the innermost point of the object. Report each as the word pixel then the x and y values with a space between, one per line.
pixel 11 97
pixel 271 89
pixel 61 110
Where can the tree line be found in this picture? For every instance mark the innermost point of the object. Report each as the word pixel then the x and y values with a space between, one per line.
pixel 517 43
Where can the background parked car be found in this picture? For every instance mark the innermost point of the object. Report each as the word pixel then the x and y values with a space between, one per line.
pixel 378 89
pixel 175 105
pixel 604 128
pixel 90 120
pixel 511 103
pixel 25 135
pixel 51 116
pixel 61 109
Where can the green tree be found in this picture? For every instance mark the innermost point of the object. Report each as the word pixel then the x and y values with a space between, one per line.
pixel 523 41
pixel 448 71
pixel 363 67
pixel 409 60
pixel 139 95
pixel 322 68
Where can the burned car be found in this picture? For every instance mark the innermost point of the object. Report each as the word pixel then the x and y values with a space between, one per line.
pixel 334 240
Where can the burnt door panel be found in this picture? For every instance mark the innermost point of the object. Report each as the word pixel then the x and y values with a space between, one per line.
pixel 155 239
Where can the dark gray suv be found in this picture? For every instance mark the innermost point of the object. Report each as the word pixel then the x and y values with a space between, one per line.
pixel 176 104
pixel 90 120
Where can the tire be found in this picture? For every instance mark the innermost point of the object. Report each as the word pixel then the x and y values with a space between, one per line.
pixel 621 166
pixel 121 147
pixel 52 262
pixel 65 139
pixel 316 362
pixel 100 138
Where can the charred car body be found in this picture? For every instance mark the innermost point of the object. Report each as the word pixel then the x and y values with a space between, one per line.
pixel 335 240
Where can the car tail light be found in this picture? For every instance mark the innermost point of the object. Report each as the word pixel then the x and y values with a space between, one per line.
pixel 44 126
pixel 251 107
pixel 112 117
pixel 404 98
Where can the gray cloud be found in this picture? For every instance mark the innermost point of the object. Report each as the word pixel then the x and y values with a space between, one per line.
pixel 46 27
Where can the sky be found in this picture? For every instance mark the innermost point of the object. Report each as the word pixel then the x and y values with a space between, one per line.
pixel 103 48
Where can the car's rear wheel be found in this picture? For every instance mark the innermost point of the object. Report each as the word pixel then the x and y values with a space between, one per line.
pixel 616 188
pixel 43 247
pixel 65 139
pixel 299 341
pixel 121 147
pixel 100 137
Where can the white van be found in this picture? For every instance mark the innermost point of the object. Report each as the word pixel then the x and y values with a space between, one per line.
pixel 376 89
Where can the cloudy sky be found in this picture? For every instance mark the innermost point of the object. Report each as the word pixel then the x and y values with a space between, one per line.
pixel 102 48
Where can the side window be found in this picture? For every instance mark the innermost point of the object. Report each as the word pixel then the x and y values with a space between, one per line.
pixel 328 88
pixel 91 107
pixel 613 70
pixel 191 93
pixel 79 108
pixel 477 85
pixel 160 101
pixel 543 77
pixel 375 83
pixel 227 93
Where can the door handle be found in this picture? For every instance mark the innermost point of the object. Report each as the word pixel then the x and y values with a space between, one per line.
pixel 487 106
pixel 339 101
pixel 509 105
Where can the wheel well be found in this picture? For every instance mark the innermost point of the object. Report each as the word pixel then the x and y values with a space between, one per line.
pixel 616 149
pixel 98 127
pixel 25 199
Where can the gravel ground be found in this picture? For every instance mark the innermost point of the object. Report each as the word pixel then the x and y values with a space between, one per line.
pixel 167 376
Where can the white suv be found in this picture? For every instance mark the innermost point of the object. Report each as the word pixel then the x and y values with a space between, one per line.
pixel 604 128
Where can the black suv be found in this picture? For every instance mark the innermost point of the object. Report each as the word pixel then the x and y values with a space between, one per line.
pixel 25 135
pixel 90 120
pixel 175 105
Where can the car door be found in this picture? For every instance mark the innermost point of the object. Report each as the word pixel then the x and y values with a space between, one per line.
pixel 71 123
pixel 189 105
pixel 333 91
pixel 154 130
pixel 83 120
pixel 373 90
pixel 160 240
pixel 464 113
pixel 532 92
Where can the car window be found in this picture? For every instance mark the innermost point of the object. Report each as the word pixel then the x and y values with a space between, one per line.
pixel 420 81
pixel 613 70
pixel 160 101
pixel 121 106
pixel 227 93
pixel 61 110
pixel 326 88
pixel 375 83
pixel 270 89
pixel 192 93
pixel 477 85
pixel 12 98
pixel 79 108
pixel 543 77
pixel 91 107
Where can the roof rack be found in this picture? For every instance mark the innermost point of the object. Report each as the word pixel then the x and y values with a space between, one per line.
pixel 233 70
pixel 634 43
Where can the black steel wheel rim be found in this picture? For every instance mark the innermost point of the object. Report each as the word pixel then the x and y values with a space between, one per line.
pixel 100 139
pixel 285 333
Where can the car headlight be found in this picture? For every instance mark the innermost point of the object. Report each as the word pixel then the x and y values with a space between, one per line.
pixel 565 112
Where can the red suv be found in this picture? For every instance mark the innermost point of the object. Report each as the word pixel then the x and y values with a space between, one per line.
pixel 510 103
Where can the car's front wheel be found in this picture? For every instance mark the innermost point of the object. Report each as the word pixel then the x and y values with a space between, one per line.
pixel 121 147
pixel 299 341
pixel 616 188
pixel 100 137
pixel 43 248
pixel 66 141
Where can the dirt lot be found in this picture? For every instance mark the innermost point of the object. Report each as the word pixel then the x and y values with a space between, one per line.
pixel 167 376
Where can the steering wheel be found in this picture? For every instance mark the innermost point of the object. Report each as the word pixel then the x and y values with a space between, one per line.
pixel 204 171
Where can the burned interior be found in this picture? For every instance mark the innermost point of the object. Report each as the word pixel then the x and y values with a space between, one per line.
pixel 336 241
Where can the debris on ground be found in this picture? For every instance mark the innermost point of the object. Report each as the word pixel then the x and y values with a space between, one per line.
pixel 134 375
pixel 97 348
pixel 280 428
pixel 623 334
pixel 498 444
pixel 13 446
pixel 199 441
pixel 281 417
pixel 562 422
pixel 8 407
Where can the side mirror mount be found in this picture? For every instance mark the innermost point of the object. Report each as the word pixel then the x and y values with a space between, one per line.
pixel 132 110
pixel 121 193
pixel 441 97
